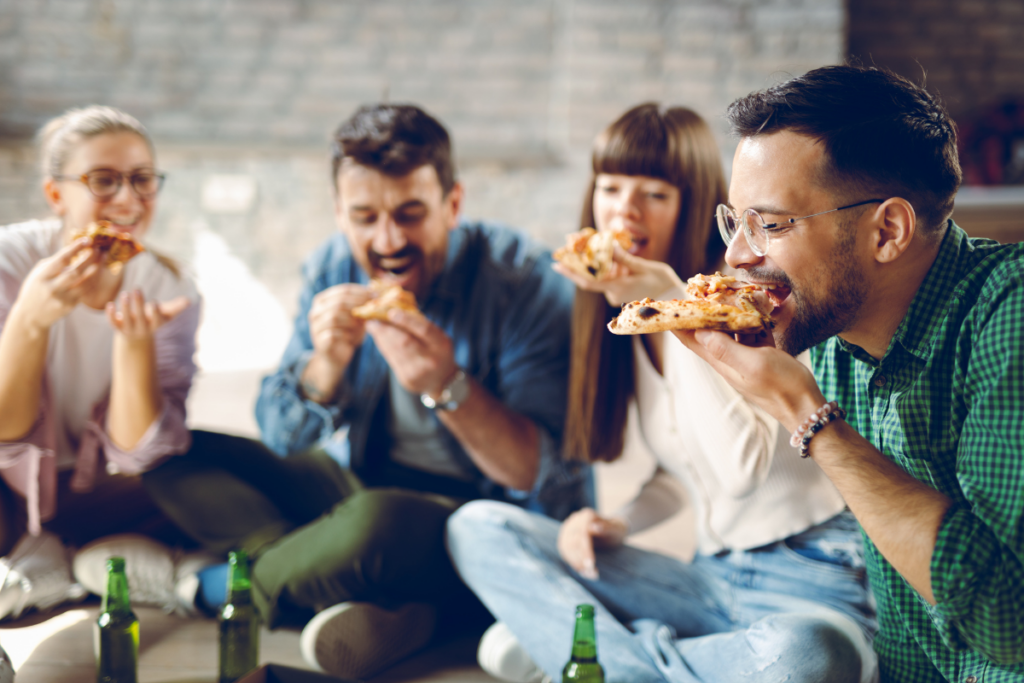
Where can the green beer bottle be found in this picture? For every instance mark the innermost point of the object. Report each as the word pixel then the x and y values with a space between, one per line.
pixel 239 623
pixel 583 665
pixel 117 630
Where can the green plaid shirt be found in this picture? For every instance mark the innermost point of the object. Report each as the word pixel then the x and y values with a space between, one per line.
pixel 946 403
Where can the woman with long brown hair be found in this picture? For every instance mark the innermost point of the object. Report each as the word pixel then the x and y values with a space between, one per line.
pixel 778 570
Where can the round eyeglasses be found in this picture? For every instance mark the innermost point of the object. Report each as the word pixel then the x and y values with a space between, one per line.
pixel 104 183
pixel 756 230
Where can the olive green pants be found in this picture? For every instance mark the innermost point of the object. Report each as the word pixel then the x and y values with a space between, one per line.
pixel 317 535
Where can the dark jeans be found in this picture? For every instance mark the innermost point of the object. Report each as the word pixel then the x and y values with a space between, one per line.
pixel 317 535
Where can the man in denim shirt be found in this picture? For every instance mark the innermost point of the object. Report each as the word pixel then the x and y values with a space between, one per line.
pixel 386 426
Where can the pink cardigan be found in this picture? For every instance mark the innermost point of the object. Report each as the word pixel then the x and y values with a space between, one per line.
pixel 29 465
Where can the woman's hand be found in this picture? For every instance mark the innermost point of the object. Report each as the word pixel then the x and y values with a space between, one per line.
pixel 57 284
pixel 136 319
pixel 582 532
pixel 631 278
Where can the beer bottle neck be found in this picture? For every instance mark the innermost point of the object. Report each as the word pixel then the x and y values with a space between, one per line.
pixel 239 584
pixel 584 640
pixel 116 598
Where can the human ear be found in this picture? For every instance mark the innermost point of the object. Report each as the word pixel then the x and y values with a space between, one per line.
pixel 53 196
pixel 453 205
pixel 895 225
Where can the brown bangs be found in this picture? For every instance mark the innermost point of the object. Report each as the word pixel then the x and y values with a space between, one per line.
pixel 673 144
pixel 638 144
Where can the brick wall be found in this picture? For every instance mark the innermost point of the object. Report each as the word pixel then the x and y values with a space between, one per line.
pixel 251 89
pixel 972 50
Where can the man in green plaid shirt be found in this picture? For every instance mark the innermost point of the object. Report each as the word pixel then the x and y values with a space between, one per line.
pixel 842 189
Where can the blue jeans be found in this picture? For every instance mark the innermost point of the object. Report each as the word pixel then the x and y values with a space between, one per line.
pixel 795 610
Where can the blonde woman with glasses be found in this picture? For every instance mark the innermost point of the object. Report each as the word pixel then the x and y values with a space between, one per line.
pixel 95 362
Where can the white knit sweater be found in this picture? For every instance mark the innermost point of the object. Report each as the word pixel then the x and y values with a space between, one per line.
pixel 747 485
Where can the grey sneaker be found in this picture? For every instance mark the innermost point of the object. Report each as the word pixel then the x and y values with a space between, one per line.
pixel 157 576
pixel 6 668
pixel 36 574
pixel 501 656
pixel 360 639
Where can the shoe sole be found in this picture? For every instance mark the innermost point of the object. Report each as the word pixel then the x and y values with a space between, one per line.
pixel 358 639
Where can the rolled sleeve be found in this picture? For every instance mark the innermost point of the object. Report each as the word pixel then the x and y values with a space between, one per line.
pixel 977 569
pixel 288 421
pixel 168 435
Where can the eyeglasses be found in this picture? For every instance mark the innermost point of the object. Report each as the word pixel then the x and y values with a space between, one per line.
pixel 756 230
pixel 104 183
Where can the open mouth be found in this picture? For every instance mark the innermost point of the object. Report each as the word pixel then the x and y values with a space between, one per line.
pixel 397 269
pixel 638 243
pixel 123 224
pixel 777 294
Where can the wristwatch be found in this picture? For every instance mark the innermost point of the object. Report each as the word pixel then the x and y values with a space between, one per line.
pixel 452 396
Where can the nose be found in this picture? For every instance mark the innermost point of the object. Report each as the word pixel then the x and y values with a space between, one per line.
pixel 739 255
pixel 388 238
pixel 125 194
pixel 628 204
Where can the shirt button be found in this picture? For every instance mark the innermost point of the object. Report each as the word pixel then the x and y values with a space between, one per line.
pixel 880 381
pixel 971 679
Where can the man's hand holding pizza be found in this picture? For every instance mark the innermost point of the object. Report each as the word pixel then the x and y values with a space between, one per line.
pixel 418 351
pixel 769 377
pixel 336 334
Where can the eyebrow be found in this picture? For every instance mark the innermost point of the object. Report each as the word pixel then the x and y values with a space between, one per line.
pixel 411 204
pixel 772 210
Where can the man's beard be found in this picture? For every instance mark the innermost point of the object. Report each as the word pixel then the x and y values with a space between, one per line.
pixel 840 292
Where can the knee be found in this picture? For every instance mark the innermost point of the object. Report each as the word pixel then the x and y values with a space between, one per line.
pixel 383 520
pixel 481 521
pixel 812 649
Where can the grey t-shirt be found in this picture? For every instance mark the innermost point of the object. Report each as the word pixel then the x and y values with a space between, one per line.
pixel 415 440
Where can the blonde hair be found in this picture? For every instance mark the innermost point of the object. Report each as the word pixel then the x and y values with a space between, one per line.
pixel 59 137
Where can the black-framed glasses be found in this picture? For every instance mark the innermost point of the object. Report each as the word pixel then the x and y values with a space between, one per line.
pixel 756 230
pixel 104 183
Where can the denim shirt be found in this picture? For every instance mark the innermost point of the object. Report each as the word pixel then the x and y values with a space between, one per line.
pixel 508 316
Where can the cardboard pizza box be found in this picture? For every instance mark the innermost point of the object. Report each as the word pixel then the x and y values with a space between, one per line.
pixel 276 673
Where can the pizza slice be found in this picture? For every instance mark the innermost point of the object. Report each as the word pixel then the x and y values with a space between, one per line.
pixel 116 247
pixel 720 302
pixel 388 297
pixel 590 252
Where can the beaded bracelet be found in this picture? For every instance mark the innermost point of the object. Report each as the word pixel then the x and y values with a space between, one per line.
pixel 801 437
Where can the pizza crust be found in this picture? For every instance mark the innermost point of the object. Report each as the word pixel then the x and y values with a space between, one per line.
pixel 647 316
pixel 389 297
pixel 720 302
pixel 590 252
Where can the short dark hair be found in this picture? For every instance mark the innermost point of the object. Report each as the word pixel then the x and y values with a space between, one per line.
pixel 883 135
pixel 394 139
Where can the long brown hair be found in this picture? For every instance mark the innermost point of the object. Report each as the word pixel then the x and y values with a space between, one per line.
pixel 675 145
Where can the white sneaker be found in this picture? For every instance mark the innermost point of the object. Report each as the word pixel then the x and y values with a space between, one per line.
pixel 157 576
pixel 36 574
pixel 501 656
pixel 360 639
